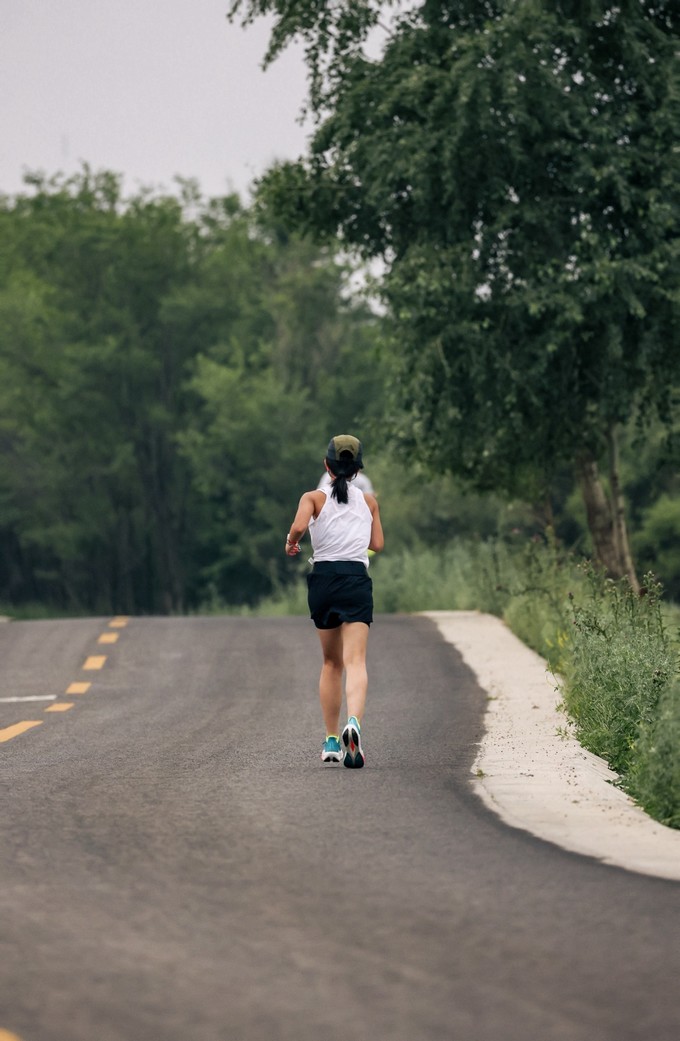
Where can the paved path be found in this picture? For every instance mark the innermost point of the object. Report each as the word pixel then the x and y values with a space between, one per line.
pixel 176 865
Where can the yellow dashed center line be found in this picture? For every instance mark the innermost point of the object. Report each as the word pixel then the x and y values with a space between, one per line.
pixel 76 688
pixel 95 661
pixel 18 728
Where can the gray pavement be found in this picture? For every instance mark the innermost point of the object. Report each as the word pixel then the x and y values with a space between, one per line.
pixel 176 864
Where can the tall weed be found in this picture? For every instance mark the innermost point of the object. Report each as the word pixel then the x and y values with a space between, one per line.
pixel 655 773
pixel 620 663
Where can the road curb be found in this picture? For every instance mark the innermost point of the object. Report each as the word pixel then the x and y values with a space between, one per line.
pixel 538 780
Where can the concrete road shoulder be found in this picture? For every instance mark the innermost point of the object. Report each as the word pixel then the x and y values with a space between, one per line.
pixel 536 777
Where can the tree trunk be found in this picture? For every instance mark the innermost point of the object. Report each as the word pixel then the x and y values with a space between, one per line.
pixel 599 514
pixel 619 513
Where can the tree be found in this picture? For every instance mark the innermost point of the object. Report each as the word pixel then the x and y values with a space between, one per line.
pixel 515 166
pixel 170 371
pixel 90 392
pixel 268 389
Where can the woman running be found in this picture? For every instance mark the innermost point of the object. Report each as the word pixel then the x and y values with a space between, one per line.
pixel 344 523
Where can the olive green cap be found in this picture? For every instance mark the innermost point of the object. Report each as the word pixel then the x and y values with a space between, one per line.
pixel 345 443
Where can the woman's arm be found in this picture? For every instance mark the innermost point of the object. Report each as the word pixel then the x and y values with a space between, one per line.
pixel 309 507
pixel 377 538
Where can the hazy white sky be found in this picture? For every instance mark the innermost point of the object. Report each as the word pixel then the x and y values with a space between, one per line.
pixel 147 88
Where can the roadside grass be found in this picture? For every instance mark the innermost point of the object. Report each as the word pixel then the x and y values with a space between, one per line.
pixel 36 612
pixel 654 778
pixel 615 654
pixel 621 652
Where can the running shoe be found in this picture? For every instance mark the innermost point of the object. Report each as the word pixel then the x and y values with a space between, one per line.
pixel 351 739
pixel 331 752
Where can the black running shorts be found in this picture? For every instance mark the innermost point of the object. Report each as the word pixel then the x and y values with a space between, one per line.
pixel 339 591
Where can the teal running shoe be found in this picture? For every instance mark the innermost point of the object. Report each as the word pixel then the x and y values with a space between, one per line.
pixel 351 738
pixel 331 752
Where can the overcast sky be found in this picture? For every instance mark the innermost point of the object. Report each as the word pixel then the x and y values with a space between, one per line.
pixel 146 88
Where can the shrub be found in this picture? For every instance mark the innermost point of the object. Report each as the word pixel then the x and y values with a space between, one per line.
pixel 655 775
pixel 620 663
pixel 657 543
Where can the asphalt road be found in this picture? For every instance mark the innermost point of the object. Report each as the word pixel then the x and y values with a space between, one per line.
pixel 176 864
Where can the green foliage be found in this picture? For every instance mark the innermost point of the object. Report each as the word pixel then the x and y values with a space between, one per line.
pixel 461 576
pixel 86 400
pixel 524 581
pixel 655 773
pixel 421 510
pixel 290 361
pixel 248 453
pixel 650 461
pixel 170 372
pixel 621 688
pixel 657 542
pixel 621 661
pixel 331 33
pixel 515 166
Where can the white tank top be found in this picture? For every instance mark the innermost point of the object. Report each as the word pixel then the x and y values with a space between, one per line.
pixel 342 531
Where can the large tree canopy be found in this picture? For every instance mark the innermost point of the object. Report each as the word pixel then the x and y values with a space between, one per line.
pixel 515 166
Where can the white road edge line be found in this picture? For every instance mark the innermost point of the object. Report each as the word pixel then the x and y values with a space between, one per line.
pixel 29 697
pixel 537 780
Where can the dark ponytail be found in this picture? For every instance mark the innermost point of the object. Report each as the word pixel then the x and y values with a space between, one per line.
pixel 343 471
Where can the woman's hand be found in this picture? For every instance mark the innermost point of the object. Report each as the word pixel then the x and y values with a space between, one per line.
pixel 292 548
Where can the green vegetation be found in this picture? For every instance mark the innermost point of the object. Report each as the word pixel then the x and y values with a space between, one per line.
pixel 513 164
pixel 620 669
pixel 170 369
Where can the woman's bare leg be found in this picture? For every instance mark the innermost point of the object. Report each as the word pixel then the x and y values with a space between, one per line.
pixel 330 681
pixel 354 643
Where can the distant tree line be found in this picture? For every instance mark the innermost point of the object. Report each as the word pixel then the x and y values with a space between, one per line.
pixel 170 371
